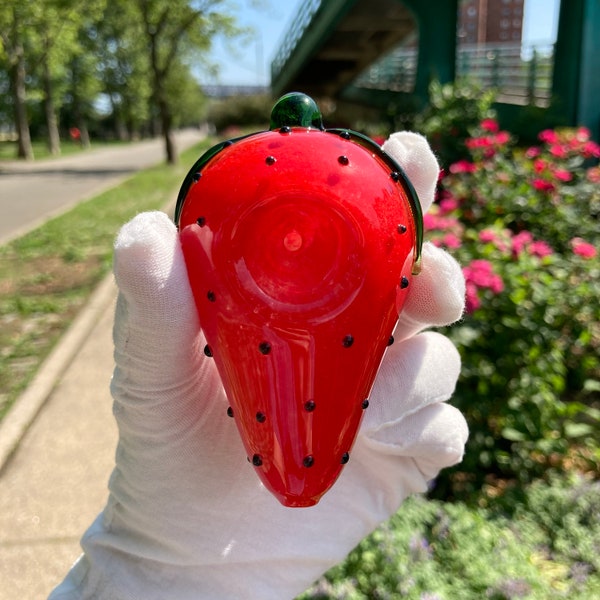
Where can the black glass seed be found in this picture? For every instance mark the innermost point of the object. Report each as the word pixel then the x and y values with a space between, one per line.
pixel 395 175
pixel 208 351
pixel 201 221
pixel 196 176
pixel 403 283
pixel 391 340
pixel 308 461
pixel 343 160
pixel 347 341
pixel 285 129
pixel 230 411
pixel 402 228
pixel 257 460
pixel 365 404
pixel 261 417
pixel 345 134
pixel 270 160
pixel 310 405
pixel 212 297
pixel 345 458
pixel 264 348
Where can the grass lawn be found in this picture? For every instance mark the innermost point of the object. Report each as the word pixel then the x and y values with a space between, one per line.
pixel 47 275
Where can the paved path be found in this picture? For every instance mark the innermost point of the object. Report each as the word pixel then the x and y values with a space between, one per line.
pixel 53 486
pixel 31 192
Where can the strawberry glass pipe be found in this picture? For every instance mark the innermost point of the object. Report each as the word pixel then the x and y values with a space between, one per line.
pixel 300 244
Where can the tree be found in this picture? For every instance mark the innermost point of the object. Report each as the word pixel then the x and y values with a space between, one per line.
pixel 174 30
pixel 14 20
pixel 124 68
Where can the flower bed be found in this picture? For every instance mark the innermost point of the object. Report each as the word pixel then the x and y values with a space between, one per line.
pixel 524 223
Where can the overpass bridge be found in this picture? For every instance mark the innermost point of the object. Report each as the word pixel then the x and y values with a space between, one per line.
pixel 374 52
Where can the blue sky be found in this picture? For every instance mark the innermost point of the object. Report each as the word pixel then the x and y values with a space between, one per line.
pixel 248 63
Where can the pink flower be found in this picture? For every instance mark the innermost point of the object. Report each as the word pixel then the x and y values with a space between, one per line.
pixel 583 248
pixel 558 150
pixel 463 166
pixel 487 236
pixel 539 165
pixel 434 222
pixel 480 272
pixel 539 248
pixel 591 149
pixel 472 301
pixel 548 136
pixel 502 137
pixel 449 204
pixel 593 174
pixel 532 152
pixel 451 241
pixel 521 240
pixel 490 125
pixel 562 174
pixel 583 134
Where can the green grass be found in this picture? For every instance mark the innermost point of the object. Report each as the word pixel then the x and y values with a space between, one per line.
pixel 47 275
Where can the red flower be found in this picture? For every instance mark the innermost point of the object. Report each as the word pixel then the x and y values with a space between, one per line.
pixel 558 150
pixel 548 136
pixel 490 125
pixel 543 186
pixel 463 166
pixel 502 138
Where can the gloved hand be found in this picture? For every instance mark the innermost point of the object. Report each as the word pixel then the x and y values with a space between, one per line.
pixel 187 518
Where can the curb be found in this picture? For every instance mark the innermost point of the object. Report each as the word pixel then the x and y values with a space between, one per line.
pixel 26 407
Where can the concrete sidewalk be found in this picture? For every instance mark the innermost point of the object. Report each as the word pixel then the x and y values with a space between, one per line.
pixel 55 483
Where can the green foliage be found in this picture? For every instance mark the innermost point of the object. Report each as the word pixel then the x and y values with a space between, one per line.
pixel 454 110
pixel 544 548
pixel 524 225
pixel 241 111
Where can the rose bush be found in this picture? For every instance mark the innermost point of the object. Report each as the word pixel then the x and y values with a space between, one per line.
pixel 525 225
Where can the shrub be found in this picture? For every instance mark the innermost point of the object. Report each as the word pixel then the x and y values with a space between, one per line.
pixel 454 110
pixel 435 551
pixel 524 224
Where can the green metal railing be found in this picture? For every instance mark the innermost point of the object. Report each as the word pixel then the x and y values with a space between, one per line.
pixel 521 74
pixel 300 23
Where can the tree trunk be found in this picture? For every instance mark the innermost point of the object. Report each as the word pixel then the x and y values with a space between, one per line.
pixel 51 120
pixel 17 80
pixel 167 131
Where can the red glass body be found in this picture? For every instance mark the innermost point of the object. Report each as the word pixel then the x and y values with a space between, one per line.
pixel 299 247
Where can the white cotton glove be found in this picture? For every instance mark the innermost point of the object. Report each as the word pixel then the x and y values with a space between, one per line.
pixel 187 517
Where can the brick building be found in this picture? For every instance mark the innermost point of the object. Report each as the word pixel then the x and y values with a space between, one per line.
pixel 490 21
